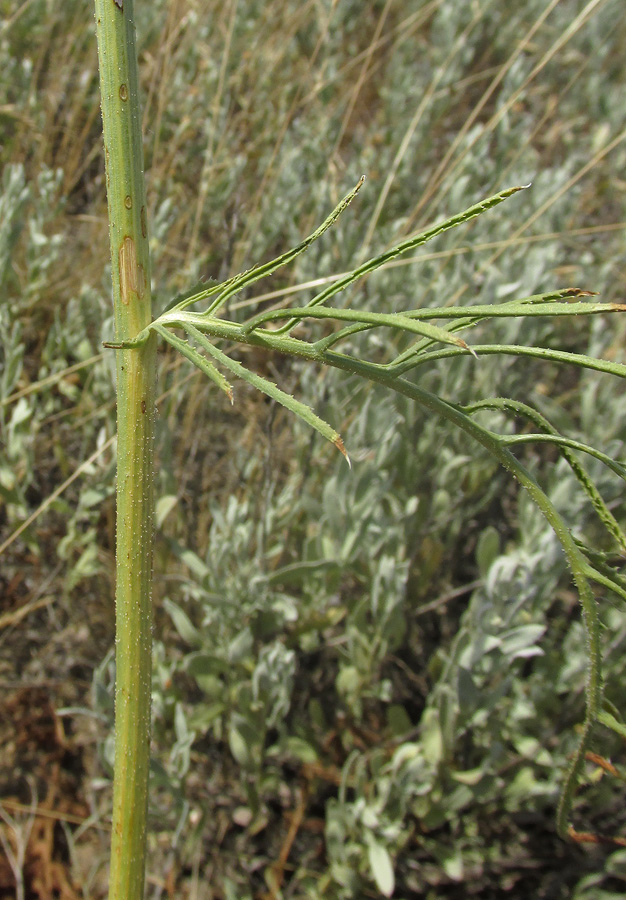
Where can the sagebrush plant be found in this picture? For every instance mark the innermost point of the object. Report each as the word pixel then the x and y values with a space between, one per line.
pixel 272 330
pixel 392 614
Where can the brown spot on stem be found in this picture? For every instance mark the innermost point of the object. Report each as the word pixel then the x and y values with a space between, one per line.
pixel 144 222
pixel 128 201
pixel 141 281
pixel 143 407
pixel 123 92
pixel 132 275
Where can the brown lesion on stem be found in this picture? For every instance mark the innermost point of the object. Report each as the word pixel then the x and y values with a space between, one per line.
pixel 132 275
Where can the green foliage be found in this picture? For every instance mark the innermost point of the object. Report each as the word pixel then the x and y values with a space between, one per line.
pixel 450 716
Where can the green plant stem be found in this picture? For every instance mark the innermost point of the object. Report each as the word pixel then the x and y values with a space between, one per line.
pixel 136 388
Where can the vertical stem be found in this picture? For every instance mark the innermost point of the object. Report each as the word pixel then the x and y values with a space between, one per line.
pixel 136 374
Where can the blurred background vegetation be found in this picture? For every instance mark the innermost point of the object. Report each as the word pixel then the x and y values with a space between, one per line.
pixel 364 681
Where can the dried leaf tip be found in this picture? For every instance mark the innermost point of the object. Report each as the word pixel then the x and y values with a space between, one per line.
pixel 579 292
pixel 514 190
pixel 467 347
pixel 340 446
